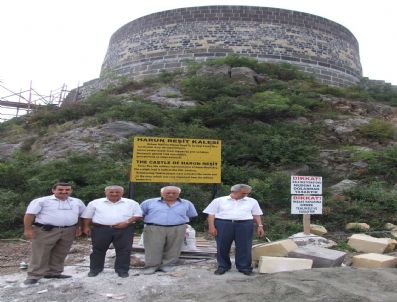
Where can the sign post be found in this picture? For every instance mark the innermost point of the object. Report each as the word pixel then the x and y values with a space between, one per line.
pixel 309 201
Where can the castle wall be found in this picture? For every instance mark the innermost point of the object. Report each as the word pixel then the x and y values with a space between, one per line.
pixel 165 40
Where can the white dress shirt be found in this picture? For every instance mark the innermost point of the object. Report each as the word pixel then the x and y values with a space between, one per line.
pixel 53 211
pixel 103 211
pixel 226 207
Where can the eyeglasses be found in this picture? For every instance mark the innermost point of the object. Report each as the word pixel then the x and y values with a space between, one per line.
pixel 64 205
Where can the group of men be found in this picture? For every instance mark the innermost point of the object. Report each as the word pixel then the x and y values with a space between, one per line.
pixel 52 222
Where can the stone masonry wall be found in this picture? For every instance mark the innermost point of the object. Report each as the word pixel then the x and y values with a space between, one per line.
pixel 165 40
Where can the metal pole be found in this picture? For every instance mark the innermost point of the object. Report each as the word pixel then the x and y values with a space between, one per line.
pixel 131 190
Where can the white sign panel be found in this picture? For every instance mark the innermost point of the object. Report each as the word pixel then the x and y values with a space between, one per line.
pixel 308 185
pixel 301 204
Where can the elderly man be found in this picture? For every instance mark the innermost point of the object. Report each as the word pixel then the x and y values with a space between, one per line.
pixel 112 219
pixel 231 218
pixel 51 222
pixel 165 221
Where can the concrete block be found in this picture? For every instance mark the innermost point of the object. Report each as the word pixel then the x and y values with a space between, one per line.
pixel 373 260
pixel 318 230
pixel 368 244
pixel 268 265
pixel 279 248
pixel 321 257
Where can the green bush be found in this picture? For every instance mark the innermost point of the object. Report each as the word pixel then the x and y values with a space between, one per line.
pixel 379 130
pixel 384 164
pixel 206 88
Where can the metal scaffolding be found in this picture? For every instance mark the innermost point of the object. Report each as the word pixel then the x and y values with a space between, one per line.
pixel 14 104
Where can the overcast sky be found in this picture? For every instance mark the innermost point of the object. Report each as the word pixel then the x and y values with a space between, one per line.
pixel 53 42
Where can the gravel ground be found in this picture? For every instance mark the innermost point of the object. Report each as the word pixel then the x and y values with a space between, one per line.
pixel 192 281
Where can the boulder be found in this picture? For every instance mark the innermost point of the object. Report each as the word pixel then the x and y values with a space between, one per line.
pixel 318 229
pixel 389 226
pixel 243 75
pixel 342 186
pixel 357 226
pixel 302 239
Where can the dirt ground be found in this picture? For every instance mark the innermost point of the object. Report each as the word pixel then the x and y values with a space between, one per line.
pixel 191 281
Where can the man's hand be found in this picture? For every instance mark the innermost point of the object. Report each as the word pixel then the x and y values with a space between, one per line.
pixel 78 231
pixel 212 231
pixel 87 230
pixel 29 233
pixel 260 231
pixel 121 225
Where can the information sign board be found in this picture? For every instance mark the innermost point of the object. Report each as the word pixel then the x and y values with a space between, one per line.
pixel 307 185
pixel 301 204
pixel 179 160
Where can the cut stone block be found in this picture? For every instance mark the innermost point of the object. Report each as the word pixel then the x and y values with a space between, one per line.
pixel 318 230
pixel 279 248
pixel 368 244
pixel 373 260
pixel 357 226
pixel 321 257
pixel 268 265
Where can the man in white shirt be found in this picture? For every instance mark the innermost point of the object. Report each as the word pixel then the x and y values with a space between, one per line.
pixel 231 218
pixel 51 222
pixel 112 219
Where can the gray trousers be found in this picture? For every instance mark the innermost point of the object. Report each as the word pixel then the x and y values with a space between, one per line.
pixel 163 245
pixel 49 250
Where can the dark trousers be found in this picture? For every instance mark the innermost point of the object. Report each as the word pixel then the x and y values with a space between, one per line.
pixel 241 234
pixel 122 240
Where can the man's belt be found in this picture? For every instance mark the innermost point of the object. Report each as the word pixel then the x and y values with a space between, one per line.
pixel 50 227
pixel 101 225
pixel 164 225
pixel 233 220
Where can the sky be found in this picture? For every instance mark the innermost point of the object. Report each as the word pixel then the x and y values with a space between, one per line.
pixel 56 42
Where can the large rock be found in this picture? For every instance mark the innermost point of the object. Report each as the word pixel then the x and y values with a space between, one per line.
pixel 243 75
pixel 374 260
pixel 92 140
pixel 343 186
pixel 357 226
pixel 125 129
pixel 269 265
pixel 302 239
pixel 322 257
pixel 7 149
pixel 318 230
pixel 368 244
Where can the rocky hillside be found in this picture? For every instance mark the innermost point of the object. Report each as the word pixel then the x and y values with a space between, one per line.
pixel 273 121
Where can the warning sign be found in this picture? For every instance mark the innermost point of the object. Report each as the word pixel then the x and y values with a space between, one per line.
pixel 181 160
pixel 306 204
pixel 308 185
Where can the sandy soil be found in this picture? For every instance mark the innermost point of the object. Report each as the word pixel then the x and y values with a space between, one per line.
pixel 192 281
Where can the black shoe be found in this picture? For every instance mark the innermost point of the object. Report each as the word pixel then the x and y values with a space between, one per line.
pixel 248 273
pixel 220 271
pixel 30 281
pixel 92 274
pixel 123 275
pixel 57 276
